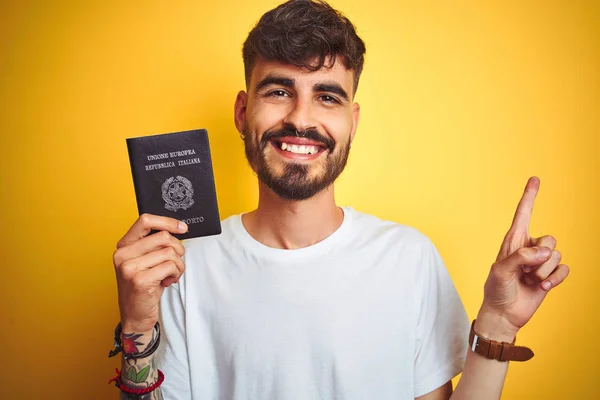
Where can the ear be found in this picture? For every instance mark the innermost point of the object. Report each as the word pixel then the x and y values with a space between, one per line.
pixel 239 111
pixel 355 119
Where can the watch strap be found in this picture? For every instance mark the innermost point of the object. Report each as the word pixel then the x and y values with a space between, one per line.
pixel 501 351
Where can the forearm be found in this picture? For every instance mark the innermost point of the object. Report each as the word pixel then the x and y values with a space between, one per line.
pixel 140 373
pixel 483 378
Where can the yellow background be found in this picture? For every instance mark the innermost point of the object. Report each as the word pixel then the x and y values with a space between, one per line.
pixel 461 102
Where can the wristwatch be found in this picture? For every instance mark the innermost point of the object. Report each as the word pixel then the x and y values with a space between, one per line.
pixel 501 351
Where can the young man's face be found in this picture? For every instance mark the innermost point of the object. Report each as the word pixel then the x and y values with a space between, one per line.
pixel 298 125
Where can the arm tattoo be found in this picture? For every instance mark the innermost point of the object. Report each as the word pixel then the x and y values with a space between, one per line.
pixel 139 372
pixel 130 344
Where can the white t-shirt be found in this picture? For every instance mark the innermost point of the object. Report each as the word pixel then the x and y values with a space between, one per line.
pixel 368 313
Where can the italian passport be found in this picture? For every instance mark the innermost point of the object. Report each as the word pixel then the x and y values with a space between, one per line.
pixel 173 177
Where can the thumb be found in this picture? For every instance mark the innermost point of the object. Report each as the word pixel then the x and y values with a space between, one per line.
pixel 531 256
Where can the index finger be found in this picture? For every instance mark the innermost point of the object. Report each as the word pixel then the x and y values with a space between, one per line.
pixel 148 222
pixel 525 207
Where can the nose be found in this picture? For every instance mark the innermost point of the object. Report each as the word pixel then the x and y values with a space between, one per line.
pixel 300 116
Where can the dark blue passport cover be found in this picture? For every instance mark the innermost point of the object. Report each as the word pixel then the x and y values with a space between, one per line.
pixel 173 177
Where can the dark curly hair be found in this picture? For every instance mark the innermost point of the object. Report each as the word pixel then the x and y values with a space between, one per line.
pixel 305 33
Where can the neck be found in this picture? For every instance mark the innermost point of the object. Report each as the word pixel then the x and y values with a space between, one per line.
pixel 286 224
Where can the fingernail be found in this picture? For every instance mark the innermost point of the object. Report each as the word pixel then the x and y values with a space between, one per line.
pixel 182 226
pixel 546 285
pixel 527 269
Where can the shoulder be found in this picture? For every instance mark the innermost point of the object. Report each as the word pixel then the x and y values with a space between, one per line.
pixel 369 228
pixel 401 247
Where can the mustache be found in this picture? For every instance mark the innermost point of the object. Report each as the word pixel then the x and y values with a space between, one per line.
pixel 311 134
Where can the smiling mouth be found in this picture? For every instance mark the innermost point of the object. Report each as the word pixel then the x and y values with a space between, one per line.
pixel 299 146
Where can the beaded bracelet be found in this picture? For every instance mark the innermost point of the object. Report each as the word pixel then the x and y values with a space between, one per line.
pixel 126 389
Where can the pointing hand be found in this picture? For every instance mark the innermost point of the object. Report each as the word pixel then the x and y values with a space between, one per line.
pixel 525 270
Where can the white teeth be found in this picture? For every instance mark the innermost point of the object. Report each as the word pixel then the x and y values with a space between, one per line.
pixel 302 149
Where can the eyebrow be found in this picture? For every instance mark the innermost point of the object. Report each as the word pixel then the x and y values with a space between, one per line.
pixel 331 87
pixel 275 80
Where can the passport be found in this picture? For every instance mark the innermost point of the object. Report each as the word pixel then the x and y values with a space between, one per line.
pixel 173 177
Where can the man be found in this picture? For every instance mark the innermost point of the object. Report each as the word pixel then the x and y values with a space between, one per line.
pixel 302 299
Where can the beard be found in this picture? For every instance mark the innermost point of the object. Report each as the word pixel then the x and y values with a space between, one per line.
pixel 295 181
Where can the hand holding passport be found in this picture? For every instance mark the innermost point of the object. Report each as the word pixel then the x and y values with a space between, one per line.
pixel 173 177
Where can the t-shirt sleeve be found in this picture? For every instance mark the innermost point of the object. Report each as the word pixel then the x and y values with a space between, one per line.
pixel 172 355
pixel 442 326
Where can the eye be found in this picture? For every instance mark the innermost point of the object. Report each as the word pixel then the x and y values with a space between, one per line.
pixel 329 99
pixel 278 93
